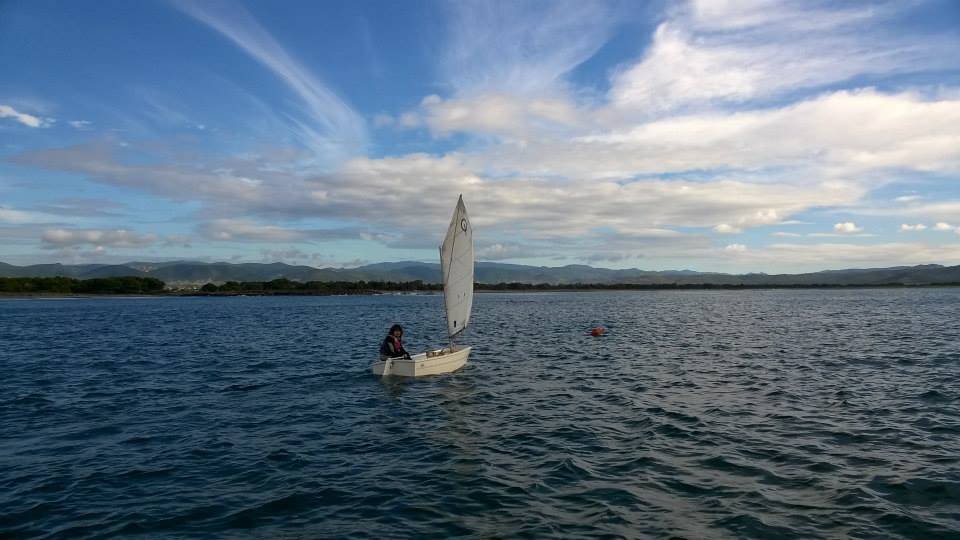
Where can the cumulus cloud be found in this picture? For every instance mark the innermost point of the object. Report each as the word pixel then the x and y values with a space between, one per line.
pixel 119 238
pixel 847 228
pixel 908 228
pixel 29 120
pixel 943 226
pixel 735 248
pixel 766 216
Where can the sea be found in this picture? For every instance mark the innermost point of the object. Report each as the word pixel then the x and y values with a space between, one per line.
pixel 699 414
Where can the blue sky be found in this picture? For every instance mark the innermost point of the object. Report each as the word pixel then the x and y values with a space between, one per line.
pixel 760 135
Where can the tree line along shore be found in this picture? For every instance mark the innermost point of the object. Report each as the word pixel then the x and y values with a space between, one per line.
pixel 131 285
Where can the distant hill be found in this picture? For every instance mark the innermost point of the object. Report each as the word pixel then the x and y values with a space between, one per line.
pixel 183 273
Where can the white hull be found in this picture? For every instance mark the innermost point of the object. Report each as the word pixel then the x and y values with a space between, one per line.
pixel 428 363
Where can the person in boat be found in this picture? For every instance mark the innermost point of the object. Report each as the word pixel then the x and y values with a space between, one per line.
pixel 392 346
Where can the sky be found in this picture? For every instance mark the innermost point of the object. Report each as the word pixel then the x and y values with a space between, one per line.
pixel 714 135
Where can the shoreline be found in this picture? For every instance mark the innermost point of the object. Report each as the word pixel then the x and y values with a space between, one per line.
pixel 518 290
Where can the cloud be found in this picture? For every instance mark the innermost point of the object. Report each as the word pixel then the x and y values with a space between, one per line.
pixel 519 47
pixel 297 256
pixel 119 238
pixel 811 257
pixel 679 143
pixel 409 120
pixel 80 124
pixel 163 109
pixel 766 216
pixel 747 53
pixel 847 228
pixel 16 216
pixel 709 53
pixel 33 216
pixel 942 210
pixel 6 111
pixel 293 255
pixel 334 130
pixel 499 114
pixel 595 258
pixel 735 248
pixel 244 230
pixel 248 231
pixel 503 251
pixel 103 162
pixel 547 209
pixel 178 240
pixel 378 197
pixel 908 198
pixel 383 120
pixel 80 207
pixel 842 136
pixel 909 228
pixel 723 228
pixel 845 131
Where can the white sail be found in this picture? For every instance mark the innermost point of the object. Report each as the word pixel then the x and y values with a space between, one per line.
pixel 456 262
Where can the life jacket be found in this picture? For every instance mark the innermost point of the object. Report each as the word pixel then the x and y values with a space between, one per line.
pixel 397 347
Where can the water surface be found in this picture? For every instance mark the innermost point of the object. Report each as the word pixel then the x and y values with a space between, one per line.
pixel 739 414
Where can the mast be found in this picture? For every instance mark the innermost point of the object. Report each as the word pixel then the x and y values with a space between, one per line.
pixel 445 268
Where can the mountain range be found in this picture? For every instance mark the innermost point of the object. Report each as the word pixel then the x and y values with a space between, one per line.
pixel 190 273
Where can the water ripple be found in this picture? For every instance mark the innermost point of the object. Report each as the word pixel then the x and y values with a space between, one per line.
pixel 748 414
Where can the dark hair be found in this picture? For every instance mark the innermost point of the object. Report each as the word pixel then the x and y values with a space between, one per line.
pixel 394 328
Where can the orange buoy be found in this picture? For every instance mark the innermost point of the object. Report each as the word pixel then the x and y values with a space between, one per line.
pixel 597 332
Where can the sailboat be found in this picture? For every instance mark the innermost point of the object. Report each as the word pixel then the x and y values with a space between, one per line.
pixel 456 264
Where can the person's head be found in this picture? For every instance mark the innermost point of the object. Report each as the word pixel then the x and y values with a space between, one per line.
pixel 396 330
